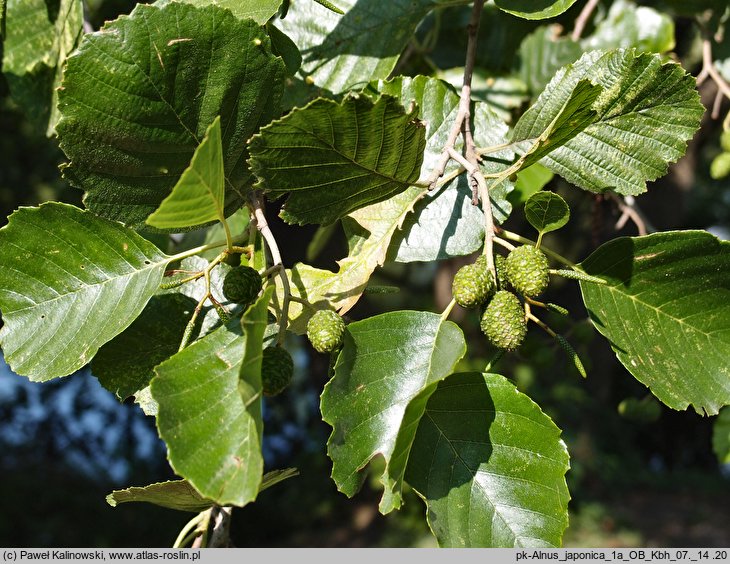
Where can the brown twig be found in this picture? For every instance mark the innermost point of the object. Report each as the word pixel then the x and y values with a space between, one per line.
pixel 629 210
pixel 464 112
pixel 709 70
pixel 263 226
pixel 582 20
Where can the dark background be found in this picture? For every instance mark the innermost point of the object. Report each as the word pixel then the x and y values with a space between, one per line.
pixel 68 443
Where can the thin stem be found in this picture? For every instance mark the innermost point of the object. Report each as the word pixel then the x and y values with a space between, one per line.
pixel 447 311
pixel 525 241
pixel 708 66
pixel 263 226
pixel 202 248
pixel 582 20
pixel 464 112
pixel 189 526
pixel 495 359
pixel 503 243
pixel 542 325
pixel 229 239
pixel 630 210
pixel 302 301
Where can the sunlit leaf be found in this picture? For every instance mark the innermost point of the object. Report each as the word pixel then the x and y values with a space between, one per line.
pixel 665 309
pixel 40 36
pixel 647 112
pixel 388 367
pixel 198 197
pixel 332 158
pixel 210 409
pixel 70 281
pixel 138 96
pixel 490 466
pixel 534 9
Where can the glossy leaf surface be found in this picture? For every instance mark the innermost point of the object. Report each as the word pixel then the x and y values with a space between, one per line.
pixel 388 367
pixel 666 312
pixel 490 465
pixel 70 281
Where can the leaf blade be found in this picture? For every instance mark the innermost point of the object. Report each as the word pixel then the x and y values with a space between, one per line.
pixel 490 465
pixel 547 211
pixel 646 114
pixel 665 309
pixel 375 397
pixel 198 197
pixel 138 96
pixel 332 159
pixel 72 281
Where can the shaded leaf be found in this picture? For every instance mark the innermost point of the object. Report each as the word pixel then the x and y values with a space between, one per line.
pixel 346 52
pixel 35 45
pixel 333 158
pixel 490 465
pixel 70 282
pixel 156 334
pixel 644 117
pixel 546 211
pixel 260 11
pixel 198 197
pixel 283 46
pixel 209 398
pixel 629 25
pixel 721 436
pixel 138 96
pixel 534 9
pixel 665 309
pixel 181 495
pixel 541 54
pixel 174 494
pixel 388 367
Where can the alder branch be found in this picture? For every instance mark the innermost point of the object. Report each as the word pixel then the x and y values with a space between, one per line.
pixel 263 226
pixel 709 70
pixel 630 210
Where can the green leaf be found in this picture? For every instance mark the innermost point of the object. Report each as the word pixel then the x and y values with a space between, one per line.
pixel 644 117
pixel 629 25
pixel 261 11
pixel 541 54
pixel 534 9
pixel 376 397
pixel 490 465
pixel 666 312
pixel 346 52
pixel 181 495
pixel 284 47
pixel 444 223
pixel 35 44
pixel 335 158
pixel 721 436
pixel 156 334
pixel 173 494
pixel 209 398
pixel 138 96
pixel 573 116
pixel 546 211
pixel 198 197
pixel 70 282
pixel 529 180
